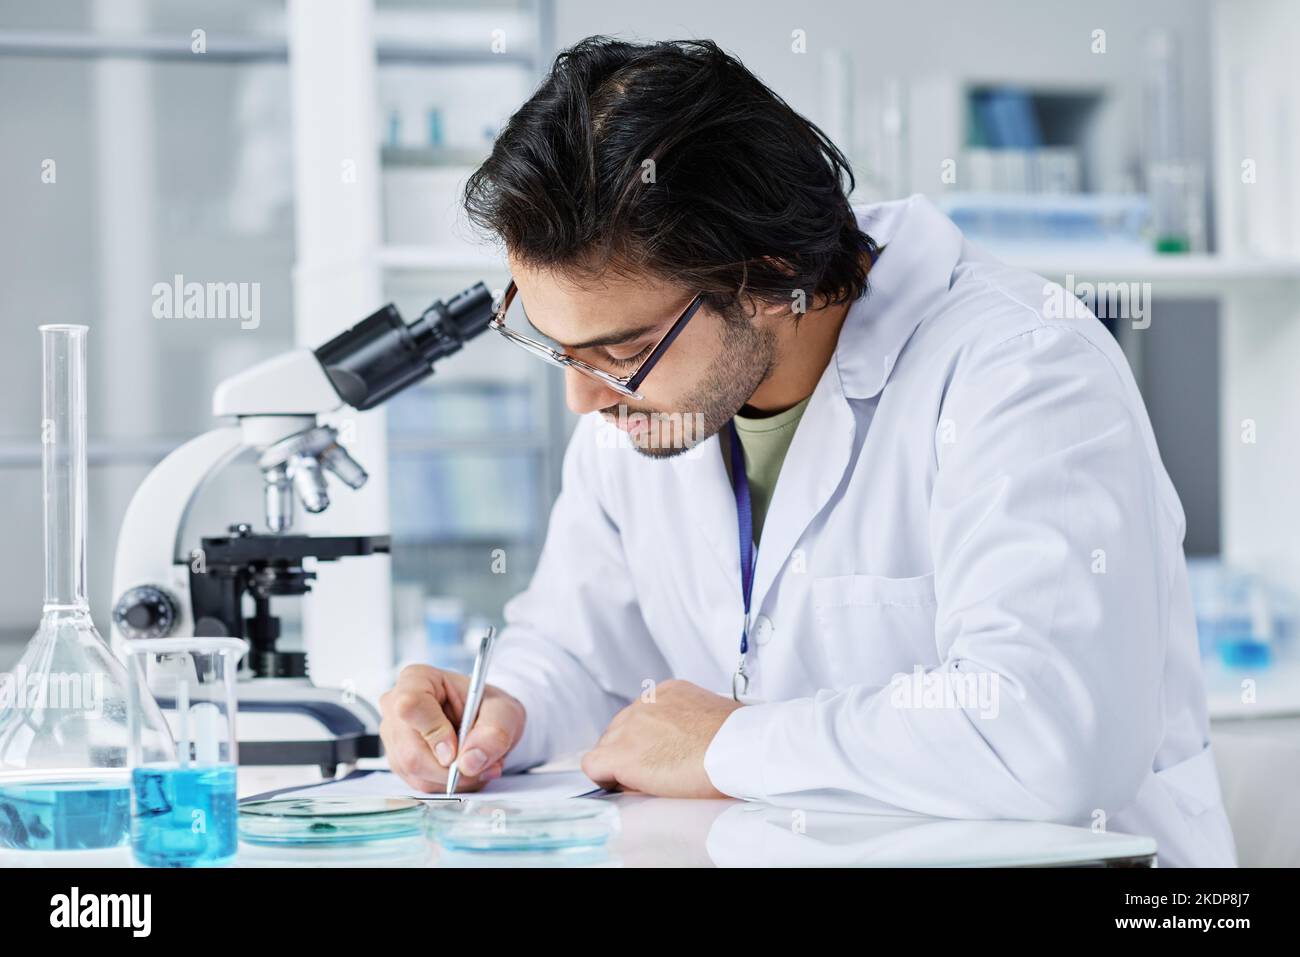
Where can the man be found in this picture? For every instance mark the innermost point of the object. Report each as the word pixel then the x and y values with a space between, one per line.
pixel 968 596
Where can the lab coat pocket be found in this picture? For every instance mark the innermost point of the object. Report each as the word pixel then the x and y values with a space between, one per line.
pixel 872 627
pixel 1193 783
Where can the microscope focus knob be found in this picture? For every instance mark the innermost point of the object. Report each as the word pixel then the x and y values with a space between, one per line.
pixel 145 611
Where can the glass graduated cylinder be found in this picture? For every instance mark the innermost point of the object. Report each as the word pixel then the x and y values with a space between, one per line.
pixel 63 733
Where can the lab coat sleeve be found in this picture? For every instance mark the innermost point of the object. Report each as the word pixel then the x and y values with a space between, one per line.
pixel 575 649
pixel 1050 577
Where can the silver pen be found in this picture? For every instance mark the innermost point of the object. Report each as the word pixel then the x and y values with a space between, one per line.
pixel 474 698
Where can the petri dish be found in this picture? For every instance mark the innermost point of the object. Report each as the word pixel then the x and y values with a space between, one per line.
pixel 482 825
pixel 330 820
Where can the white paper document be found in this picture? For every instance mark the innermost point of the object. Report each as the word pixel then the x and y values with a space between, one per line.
pixel 533 786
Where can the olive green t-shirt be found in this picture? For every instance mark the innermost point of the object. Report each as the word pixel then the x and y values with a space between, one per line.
pixel 764 442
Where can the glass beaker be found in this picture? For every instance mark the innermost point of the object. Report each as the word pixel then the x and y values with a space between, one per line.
pixel 184 810
pixel 63 740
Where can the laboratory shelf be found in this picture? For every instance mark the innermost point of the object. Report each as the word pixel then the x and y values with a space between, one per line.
pixel 227 49
pixel 120 451
pixel 1190 273
pixel 150 452
pixel 417 444
pixel 1275 692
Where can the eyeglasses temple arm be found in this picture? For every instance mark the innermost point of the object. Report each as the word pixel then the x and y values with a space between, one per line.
pixel 638 377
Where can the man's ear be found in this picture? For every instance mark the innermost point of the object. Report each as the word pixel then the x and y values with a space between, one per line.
pixel 799 300
pixel 772 311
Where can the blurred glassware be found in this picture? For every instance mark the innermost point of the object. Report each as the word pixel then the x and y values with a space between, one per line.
pixel 1175 182
pixel 1177 189
pixel 1025 224
pixel 1242 619
pixel 63 720
pixel 1163 98
pixel 883 164
pixel 444 619
pixel 184 810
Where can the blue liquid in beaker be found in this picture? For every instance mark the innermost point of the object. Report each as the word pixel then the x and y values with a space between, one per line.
pixel 185 817
pixel 65 814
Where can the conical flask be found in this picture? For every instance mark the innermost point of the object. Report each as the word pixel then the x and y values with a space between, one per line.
pixel 64 780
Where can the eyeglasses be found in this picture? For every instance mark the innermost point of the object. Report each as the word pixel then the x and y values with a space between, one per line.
pixel 624 385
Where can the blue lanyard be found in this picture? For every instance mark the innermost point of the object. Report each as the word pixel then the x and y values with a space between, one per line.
pixel 745 517
pixel 745 520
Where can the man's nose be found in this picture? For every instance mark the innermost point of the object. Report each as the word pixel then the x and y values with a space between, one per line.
pixel 584 394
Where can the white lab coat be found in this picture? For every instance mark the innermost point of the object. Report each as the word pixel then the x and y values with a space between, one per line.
pixel 974 490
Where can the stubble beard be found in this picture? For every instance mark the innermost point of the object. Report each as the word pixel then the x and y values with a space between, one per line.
pixel 746 358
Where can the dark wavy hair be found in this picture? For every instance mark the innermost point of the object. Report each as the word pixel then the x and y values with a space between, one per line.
pixel 672 159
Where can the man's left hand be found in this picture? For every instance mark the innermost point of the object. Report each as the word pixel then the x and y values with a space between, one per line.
pixel 656 744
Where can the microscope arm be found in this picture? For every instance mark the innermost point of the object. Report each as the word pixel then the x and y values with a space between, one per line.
pixel 149 554
pixel 292 383
pixel 275 407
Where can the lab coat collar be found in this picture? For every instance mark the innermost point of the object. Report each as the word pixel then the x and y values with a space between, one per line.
pixel 907 282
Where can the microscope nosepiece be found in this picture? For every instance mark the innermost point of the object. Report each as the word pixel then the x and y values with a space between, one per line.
pixel 309 481
pixel 344 466
pixel 278 492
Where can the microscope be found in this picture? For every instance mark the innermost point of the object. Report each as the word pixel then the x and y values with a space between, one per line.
pixel 225 586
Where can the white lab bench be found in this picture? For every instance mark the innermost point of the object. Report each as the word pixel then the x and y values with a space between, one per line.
pixel 670 832
pixel 673 832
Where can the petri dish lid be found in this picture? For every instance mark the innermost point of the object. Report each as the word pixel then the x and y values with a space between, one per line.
pixel 297 820
pixel 483 825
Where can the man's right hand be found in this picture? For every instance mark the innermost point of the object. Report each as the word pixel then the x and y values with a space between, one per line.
pixel 421 720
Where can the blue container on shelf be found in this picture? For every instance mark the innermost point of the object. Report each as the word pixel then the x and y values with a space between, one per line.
pixel 1235 614
pixel 444 619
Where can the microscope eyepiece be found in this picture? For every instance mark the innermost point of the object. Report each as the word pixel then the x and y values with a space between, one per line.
pixel 470 311
pixel 381 355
